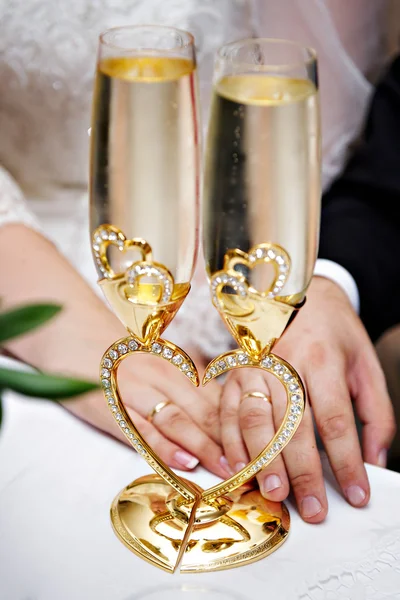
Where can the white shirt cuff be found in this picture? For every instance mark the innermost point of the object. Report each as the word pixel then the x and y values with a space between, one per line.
pixel 340 275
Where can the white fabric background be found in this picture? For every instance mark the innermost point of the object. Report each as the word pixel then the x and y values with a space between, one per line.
pixel 58 478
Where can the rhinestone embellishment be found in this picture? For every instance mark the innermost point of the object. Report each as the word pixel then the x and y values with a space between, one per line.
pixel 108 234
pixel 268 253
pixel 295 404
pixel 109 365
pixel 143 269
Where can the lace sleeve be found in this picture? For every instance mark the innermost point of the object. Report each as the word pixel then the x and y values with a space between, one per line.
pixel 13 207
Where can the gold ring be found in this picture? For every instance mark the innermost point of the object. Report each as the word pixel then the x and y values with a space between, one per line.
pixel 256 394
pixel 156 409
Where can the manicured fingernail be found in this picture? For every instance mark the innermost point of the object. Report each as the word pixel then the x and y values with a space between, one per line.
pixel 186 460
pixel 225 465
pixel 310 506
pixel 355 495
pixel 382 458
pixel 272 482
pixel 239 466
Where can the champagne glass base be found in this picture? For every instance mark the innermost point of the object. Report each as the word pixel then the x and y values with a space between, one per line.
pixel 251 529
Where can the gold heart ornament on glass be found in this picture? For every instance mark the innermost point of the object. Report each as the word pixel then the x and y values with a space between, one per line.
pixel 144 223
pixel 254 321
pixel 144 296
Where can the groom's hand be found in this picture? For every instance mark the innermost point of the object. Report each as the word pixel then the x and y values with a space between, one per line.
pixel 330 348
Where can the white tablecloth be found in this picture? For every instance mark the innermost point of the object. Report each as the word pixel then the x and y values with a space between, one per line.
pixel 57 480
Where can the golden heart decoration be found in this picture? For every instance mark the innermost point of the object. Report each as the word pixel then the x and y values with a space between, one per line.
pixel 107 235
pixel 255 318
pixel 285 373
pixel 228 277
pixel 144 296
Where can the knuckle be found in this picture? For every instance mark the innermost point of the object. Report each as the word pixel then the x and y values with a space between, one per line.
pixel 317 354
pixel 380 375
pixel 229 413
pixel 334 427
pixel 253 419
pixel 303 480
pixel 175 416
pixel 386 430
pixel 390 427
pixel 346 472
pixel 211 418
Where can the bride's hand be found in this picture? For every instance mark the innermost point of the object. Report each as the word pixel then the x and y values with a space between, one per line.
pixel 182 433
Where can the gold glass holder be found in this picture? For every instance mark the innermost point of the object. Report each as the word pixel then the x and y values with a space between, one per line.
pixel 165 519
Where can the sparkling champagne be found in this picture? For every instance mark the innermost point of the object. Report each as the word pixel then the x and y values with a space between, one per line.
pixel 262 179
pixel 144 177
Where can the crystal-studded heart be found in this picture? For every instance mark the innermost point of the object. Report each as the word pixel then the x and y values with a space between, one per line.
pixel 189 494
pixel 108 235
pixel 143 269
pixel 255 318
pixel 228 277
pixel 143 294
pixel 295 396
pixel 273 364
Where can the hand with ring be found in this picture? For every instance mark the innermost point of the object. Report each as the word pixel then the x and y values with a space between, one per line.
pixel 247 426
pixel 179 421
pixel 339 368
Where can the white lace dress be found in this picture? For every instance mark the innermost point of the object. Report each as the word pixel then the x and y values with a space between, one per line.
pixel 47 59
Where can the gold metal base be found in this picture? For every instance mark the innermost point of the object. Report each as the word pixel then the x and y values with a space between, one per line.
pixel 151 520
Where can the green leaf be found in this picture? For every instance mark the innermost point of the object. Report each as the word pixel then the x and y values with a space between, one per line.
pixel 40 385
pixel 18 321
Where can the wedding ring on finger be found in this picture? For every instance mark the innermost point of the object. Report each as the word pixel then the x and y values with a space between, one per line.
pixel 156 409
pixel 256 394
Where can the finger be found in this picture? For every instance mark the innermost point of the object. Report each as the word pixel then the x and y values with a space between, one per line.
pixel 201 406
pixel 94 410
pixel 303 466
pixel 172 454
pixel 232 442
pixel 334 416
pixel 374 408
pixel 257 426
pixel 176 425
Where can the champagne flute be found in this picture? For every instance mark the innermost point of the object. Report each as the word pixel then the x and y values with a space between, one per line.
pixel 262 186
pixel 263 168
pixel 144 188
pixel 260 228
pixel 145 145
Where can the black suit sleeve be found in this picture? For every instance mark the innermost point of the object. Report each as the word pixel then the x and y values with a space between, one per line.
pixel 360 223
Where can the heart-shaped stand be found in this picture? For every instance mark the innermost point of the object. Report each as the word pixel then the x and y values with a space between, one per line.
pixel 163 518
